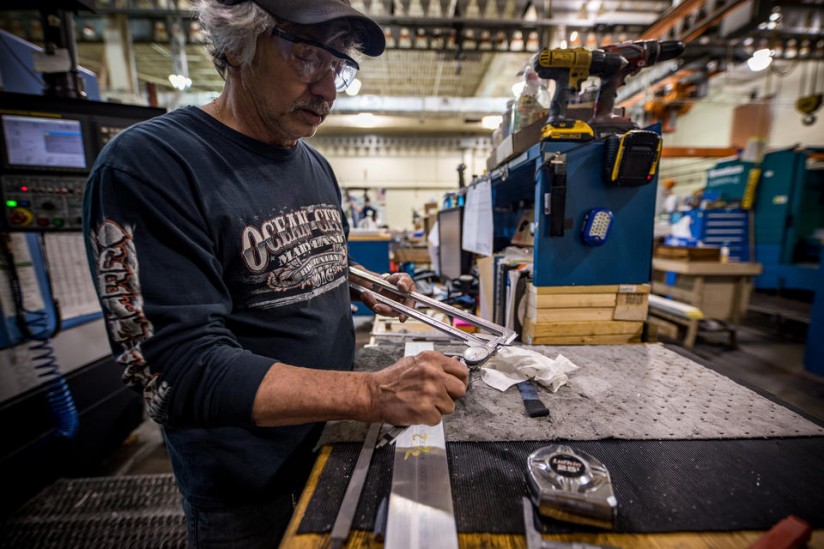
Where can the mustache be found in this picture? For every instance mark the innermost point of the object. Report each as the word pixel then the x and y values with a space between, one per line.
pixel 319 107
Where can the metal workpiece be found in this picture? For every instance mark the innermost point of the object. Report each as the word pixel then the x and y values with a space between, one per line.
pixel 571 486
pixel 346 513
pixel 535 541
pixel 420 506
pixel 420 514
pixel 481 345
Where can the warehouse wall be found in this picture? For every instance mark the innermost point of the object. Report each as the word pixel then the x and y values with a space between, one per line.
pixel 709 122
pixel 411 170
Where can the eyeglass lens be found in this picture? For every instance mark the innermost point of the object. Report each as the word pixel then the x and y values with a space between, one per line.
pixel 311 62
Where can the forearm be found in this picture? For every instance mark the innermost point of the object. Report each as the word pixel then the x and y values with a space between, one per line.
pixel 290 395
pixel 416 389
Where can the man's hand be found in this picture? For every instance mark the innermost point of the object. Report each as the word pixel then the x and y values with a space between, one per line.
pixel 404 283
pixel 418 389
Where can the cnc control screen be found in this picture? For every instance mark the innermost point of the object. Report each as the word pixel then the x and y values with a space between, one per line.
pixel 43 142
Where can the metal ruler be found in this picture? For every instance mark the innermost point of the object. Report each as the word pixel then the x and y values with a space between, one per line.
pixel 420 504
pixel 343 522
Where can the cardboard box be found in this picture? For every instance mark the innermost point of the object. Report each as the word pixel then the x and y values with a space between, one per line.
pixel 516 144
pixel 491 161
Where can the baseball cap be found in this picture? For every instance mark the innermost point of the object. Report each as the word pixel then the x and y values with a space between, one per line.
pixel 312 12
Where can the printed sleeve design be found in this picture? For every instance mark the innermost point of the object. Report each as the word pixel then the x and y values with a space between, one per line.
pixel 119 289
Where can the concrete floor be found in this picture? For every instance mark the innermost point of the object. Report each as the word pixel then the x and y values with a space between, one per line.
pixel 769 357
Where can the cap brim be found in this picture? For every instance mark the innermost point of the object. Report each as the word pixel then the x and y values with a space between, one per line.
pixel 313 12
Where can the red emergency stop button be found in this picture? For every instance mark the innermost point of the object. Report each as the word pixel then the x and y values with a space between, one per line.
pixel 20 217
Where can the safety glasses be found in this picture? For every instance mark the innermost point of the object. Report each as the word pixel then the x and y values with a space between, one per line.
pixel 311 60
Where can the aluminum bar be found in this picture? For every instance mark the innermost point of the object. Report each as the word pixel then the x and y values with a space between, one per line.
pixel 426 319
pixel 533 537
pixel 420 514
pixel 503 336
pixel 343 522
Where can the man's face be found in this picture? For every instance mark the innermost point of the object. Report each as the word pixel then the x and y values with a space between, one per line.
pixel 287 106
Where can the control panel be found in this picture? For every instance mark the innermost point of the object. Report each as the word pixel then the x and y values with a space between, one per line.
pixel 48 146
pixel 43 202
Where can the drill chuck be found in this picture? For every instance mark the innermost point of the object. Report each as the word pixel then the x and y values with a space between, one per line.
pixel 605 64
pixel 668 49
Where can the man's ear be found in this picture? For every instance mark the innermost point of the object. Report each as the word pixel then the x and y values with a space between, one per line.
pixel 232 59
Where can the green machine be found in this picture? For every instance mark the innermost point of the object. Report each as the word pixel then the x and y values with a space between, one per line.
pixel 789 218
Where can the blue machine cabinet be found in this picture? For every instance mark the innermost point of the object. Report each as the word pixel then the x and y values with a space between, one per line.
pixel 372 252
pixel 814 351
pixel 626 254
pixel 624 257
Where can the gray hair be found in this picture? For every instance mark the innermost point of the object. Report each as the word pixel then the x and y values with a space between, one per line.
pixel 235 28
pixel 232 28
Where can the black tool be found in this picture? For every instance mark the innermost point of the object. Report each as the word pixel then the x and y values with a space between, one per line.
pixel 632 159
pixel 638 55
pixel 555 170
pixel 529 394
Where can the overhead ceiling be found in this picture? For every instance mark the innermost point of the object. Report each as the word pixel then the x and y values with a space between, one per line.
pixel 463 48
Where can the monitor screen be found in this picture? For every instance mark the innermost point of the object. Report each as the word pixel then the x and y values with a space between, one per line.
pixel 452 259
pixel 51 143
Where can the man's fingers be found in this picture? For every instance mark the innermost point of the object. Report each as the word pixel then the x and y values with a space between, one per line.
pixel 403 281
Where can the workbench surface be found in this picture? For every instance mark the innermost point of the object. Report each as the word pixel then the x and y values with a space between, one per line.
pixel 644 460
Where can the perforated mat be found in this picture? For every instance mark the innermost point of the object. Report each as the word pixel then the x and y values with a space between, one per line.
pixel 632 392
pixel 109 512
pixel 661 486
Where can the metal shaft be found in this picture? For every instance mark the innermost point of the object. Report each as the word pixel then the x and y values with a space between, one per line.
pixel 502 336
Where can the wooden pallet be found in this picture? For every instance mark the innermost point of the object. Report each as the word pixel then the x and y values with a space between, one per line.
pixel 585 315
pixel 598 332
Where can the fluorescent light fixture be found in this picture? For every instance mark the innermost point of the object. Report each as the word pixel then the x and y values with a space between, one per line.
pixel 365 120
pixel 180 82
pixel 492 121
pixel 760 60
pixel 354 87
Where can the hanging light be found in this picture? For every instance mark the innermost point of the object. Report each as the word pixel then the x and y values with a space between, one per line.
pixel 180 81
pixel 492 121
pixel 180 67
pixel 760 60
pixel 354 87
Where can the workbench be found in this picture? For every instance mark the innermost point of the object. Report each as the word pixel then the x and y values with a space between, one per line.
pixel 720 290
pixel 667 427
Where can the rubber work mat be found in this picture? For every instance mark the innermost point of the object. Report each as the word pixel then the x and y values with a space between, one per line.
pixel 107 512
pixel 661 486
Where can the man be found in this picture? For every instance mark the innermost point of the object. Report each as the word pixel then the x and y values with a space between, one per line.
pixel 368 212
pixel 218 246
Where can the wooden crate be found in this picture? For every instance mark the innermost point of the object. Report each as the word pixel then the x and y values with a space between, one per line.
pixel 585 315
pixel 687 253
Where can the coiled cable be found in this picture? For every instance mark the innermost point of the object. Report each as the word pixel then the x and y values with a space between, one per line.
pixel 34 327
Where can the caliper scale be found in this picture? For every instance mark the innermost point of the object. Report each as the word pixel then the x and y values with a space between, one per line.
pixel 571 486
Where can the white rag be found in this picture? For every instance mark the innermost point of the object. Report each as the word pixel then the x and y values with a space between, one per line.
pixel 512 365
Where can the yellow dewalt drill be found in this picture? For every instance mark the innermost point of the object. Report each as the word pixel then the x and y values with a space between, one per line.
pixel 569 68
